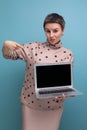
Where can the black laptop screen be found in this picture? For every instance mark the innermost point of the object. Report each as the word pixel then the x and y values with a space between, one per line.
pixel 53 75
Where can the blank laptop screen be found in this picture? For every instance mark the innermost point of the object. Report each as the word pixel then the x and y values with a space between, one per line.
pixel 53 75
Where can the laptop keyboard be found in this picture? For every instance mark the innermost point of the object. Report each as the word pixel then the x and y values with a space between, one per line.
pixel 56 91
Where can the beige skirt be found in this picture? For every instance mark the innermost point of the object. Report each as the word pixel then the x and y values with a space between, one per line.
pixel 40 120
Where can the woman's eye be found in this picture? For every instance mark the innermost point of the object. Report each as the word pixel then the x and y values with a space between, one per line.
pixel 47 31
pixel 55 31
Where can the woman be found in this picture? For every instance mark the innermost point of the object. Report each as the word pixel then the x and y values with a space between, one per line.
pixel 40 114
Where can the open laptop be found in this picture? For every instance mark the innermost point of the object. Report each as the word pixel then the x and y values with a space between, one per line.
pixel 54 80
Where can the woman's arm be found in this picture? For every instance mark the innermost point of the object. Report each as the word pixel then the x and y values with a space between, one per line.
pixel 10 46
pixel 13 50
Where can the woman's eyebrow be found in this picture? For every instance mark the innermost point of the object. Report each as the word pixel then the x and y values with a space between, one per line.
pixel 51 29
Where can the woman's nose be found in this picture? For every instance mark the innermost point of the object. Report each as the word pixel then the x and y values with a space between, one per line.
pixel 51 34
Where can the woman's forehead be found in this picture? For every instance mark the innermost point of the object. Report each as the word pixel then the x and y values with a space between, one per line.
pixel 52 26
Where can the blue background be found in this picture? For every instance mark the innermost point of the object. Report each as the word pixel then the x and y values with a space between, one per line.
pixel 21 21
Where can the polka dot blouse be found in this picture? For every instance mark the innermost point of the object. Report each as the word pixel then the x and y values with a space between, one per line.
pixel 39 53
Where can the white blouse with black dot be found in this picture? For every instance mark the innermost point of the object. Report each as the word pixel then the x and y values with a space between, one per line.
pixel 39 53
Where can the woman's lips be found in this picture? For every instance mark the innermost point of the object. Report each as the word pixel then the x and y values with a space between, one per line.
pixel 52 40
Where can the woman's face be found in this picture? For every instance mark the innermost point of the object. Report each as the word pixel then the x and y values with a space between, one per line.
pixel 53 32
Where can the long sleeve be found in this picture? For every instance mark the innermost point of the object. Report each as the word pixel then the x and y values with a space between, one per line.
pixel 14 54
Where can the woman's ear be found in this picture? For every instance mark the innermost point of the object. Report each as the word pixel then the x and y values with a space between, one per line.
pixel 63 32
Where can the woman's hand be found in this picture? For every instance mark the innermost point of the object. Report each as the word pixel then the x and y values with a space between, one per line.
pixel 12 45
pixel 61 97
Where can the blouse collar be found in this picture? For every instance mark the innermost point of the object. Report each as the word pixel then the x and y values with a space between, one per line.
pixel 56 46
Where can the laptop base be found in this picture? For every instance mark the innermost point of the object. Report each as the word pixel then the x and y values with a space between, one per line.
pixel 71 92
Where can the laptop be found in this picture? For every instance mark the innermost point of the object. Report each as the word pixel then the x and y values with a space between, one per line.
pixel 53 80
